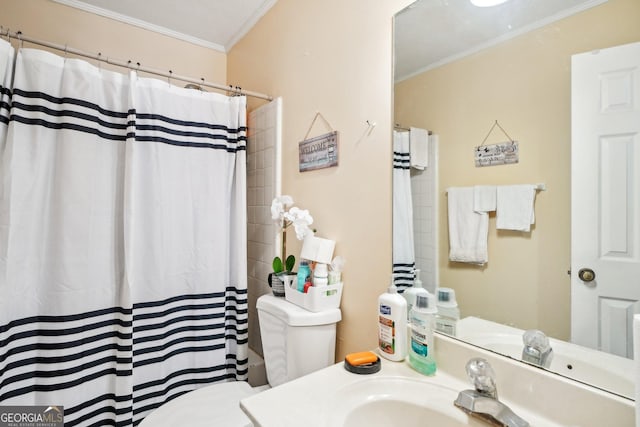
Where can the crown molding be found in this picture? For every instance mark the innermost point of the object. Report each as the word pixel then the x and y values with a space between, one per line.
pixel 141 24
pixel 249 23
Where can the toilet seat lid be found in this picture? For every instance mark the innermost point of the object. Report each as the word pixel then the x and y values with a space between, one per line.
pixel 294 315
pixel 214 405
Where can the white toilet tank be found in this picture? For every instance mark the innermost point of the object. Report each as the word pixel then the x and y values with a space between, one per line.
pixel 295 341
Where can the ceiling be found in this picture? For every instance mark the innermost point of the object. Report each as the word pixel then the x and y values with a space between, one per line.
pixel 216 24
pixel 430 33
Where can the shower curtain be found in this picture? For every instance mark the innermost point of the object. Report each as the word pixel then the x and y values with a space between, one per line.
pixel 122 239
pixel 403 249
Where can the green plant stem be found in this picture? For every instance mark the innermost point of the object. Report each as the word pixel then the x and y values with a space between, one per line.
pixel 284 245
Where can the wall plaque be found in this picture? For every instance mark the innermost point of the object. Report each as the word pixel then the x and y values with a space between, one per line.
pixel 318 152
pixel 505 153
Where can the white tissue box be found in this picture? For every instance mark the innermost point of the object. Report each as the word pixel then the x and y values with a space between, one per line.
pixel 317 298
pixel 317 249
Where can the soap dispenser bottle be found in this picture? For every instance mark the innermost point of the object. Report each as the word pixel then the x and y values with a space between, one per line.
pixel 448 312
pixel 410 293
pixel 421 347
pixel 392 325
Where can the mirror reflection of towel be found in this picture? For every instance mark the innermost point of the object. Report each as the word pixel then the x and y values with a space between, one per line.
pixel 484 198
pixel 514 207
pixel 467 229
pixel 419 146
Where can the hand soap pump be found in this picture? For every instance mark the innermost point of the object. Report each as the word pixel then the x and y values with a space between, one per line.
pixel 422 324
pixel 392 325
pixel 410 293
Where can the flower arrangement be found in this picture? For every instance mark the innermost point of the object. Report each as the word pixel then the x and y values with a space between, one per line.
pixel 299 218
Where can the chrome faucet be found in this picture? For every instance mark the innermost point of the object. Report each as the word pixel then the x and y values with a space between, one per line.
pixel 537 349
pixel 483 401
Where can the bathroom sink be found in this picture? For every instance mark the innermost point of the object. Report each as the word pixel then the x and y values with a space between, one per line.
pixel 397 395
pixel 388 401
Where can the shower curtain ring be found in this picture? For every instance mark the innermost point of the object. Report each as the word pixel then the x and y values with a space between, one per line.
pixel 19 34
pixel 169 77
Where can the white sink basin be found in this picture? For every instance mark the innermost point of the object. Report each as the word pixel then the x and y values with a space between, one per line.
pixel 390 401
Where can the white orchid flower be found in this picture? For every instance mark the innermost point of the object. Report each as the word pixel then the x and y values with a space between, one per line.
pixel 301 220
pixel 302 229
pixel 278 206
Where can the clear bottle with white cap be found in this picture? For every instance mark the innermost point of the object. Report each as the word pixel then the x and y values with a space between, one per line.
pixel 448 311
pixel 422 324
pixel 410 293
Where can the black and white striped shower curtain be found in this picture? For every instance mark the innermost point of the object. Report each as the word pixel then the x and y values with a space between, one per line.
pixel 404 261
pixel 122 239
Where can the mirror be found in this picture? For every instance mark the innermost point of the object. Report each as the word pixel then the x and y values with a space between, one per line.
pixel 457 84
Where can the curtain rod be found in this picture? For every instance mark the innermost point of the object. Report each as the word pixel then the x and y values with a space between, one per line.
pixel 135 66
pixel 398 127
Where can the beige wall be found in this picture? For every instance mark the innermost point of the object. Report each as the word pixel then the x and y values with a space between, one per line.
pixel 63 25
pixel 524 84
pixel 334 57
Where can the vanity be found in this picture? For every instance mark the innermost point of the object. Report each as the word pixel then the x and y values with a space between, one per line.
pixel 398 395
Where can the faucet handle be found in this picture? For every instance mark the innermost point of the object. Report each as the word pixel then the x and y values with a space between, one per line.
pixel 536 339
pixel 482 377
pixel 537 349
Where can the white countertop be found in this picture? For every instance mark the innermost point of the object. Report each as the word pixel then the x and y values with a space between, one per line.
pixel 541 398
pixel 307 400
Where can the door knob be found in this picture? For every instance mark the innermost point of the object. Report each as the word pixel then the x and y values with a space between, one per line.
pixel 586 274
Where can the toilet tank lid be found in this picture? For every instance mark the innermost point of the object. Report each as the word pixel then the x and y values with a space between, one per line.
pixel 294 315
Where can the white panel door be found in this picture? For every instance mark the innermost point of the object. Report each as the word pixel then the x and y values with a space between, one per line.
pixel 605 197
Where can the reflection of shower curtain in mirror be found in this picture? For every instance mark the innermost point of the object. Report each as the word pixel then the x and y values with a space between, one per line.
pixel 403 249
pixel 122 239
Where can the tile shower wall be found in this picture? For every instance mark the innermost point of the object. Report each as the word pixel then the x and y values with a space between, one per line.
pixel 424 192
pixel 263 183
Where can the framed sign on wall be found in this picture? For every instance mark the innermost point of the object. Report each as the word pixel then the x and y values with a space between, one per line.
pixel 318 152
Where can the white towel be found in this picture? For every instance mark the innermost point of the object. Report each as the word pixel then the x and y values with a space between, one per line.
pixel 467 229
pixel 514 207
pixel 484 198
pixel 419 146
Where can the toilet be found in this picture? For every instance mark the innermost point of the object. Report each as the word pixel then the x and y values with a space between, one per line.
pixel 295 342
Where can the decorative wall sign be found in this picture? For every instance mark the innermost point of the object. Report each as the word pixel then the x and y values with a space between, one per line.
pixel 505 153
pixel 318 152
